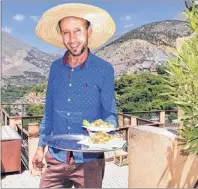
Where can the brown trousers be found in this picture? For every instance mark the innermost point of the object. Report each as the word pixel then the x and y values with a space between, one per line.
pixel 79 175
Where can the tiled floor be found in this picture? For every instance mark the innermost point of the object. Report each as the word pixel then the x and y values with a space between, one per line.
pixel 115 177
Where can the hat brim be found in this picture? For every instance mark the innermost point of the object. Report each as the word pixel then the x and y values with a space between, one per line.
pixel 103 26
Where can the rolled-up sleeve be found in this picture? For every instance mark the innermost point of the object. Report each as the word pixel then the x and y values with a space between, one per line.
pixel 46 122
pixel 108 112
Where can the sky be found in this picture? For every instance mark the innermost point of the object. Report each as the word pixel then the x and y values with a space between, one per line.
pixel 20 17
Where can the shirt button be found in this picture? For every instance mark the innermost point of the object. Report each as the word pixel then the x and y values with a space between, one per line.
pixel 68 127
pixel 69 99
pixel 70 84
pixel 72 70
pixel 68 113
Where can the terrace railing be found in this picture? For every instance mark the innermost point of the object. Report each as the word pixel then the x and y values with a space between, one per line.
pixel 125 121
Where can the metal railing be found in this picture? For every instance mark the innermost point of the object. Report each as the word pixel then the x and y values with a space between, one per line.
pixel 141 121
pixel 147 115
pixel 30 119
pixel 24 145
pixel 4 117
pixel 22 128
pixel 170 116
pixel 126 121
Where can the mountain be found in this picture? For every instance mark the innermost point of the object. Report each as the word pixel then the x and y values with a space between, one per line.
pixel 141 50
pixel 23 64
pixel 158 33
pixel 107 43
pixel 145 48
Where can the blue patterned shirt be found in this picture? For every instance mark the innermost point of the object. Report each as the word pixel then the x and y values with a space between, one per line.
pixel 84 92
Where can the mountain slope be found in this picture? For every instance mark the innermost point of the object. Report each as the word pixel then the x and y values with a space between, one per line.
pixel 140 50
pixel 23 64
pixel 145 48
pixel 158 33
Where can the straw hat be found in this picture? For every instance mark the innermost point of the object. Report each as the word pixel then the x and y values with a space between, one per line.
pixel 102 23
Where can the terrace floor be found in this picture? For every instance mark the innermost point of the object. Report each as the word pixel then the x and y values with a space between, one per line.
pixel 115 177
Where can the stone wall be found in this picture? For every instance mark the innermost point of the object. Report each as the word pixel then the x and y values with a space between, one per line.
pixel 155 160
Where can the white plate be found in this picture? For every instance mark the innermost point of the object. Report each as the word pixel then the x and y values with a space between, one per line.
pixel 104 129
pixel 115 143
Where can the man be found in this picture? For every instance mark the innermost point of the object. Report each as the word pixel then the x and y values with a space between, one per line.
pixel 80 86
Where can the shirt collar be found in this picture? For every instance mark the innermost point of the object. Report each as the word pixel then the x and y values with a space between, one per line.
pixel 65 60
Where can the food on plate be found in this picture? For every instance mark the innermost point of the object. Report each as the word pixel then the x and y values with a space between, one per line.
pixel 101 138
pixel 86 123
pixel 97 123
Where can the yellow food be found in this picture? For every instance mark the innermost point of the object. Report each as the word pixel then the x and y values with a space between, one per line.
pixel 101 123
pixel 101 138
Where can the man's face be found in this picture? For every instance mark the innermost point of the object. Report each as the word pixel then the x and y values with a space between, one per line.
pixel 75 34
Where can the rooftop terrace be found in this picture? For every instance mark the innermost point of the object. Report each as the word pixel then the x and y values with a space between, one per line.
pixel 115 177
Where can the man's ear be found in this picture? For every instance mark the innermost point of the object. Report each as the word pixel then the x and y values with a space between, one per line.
pixel 89 31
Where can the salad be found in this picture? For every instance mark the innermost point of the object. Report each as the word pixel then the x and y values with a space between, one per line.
pixel 97 123
pixel 100 138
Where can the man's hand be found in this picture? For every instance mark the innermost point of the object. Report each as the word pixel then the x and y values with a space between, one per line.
pixel 88 130
pixel 38 158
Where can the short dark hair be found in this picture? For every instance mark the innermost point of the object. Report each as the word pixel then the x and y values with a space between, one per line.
pixel 87 23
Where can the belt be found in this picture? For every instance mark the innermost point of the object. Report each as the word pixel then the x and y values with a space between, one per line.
pixel 70 154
